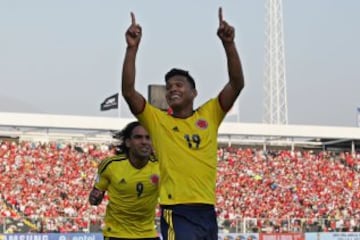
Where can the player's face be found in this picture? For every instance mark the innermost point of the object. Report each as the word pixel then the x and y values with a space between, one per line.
pixel 179 92
pixel 140 143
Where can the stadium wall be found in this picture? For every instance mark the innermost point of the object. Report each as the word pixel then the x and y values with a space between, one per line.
pixel 247 236
pixel 47 121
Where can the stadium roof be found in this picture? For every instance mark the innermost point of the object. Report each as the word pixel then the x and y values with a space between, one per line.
pixel 100 128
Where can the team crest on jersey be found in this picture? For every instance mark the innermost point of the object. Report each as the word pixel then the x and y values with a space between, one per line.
pixel 154 179
pixel 202 124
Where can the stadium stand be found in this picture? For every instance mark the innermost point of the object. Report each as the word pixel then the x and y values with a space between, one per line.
pixel 270 179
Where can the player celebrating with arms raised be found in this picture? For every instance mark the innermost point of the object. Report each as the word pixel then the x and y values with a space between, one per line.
pixel 185 142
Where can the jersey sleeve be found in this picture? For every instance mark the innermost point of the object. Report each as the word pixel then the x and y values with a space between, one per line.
pixel 149 116
pixel 213 108
pixel 102 180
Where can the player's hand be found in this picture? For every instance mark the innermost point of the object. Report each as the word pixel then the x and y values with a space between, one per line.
pixel 225 32
pixel 96 196
pixel 133 33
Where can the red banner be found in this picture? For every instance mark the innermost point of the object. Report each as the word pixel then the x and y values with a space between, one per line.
pixel 281 236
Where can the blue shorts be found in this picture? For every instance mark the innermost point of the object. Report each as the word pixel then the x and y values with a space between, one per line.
pixel 188 222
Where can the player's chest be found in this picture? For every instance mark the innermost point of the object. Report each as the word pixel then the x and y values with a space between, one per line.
pixel 135 182
pixel 194 133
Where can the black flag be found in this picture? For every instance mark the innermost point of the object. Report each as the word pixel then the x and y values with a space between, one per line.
pixel 111 102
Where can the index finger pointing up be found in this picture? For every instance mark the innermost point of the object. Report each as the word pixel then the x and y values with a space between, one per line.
pixel 220 15
pixel 133 21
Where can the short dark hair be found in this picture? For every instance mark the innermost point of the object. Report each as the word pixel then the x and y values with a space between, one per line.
pixel 180 72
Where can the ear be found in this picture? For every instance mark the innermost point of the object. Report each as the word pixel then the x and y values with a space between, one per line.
pixel 194 92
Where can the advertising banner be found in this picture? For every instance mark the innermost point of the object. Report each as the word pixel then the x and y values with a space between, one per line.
pixel 52 236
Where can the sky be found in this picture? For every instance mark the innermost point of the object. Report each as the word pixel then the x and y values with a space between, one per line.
pixel 65 56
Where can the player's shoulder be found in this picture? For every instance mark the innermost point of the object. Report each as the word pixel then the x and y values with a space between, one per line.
pixel 154 109
pixel 209 109
pixel 210 103
pixel 110 160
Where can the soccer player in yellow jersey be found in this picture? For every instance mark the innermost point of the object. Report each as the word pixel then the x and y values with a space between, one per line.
pixel 185 141
pixel 131 181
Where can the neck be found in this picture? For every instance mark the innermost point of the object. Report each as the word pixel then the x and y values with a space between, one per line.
pixel 138 162
pixel 183 113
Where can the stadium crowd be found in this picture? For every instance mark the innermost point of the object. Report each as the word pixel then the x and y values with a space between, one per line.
pixel 46 186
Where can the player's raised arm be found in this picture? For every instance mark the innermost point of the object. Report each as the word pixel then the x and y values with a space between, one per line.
pixel 134 99
pixel 232 89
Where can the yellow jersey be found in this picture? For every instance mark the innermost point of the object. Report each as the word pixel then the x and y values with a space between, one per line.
pixel 187 152
pixel 133 196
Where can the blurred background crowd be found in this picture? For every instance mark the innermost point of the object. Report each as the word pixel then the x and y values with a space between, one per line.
pixel 44 187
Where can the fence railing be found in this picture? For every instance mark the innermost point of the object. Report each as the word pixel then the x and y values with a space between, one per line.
pixel 240 225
